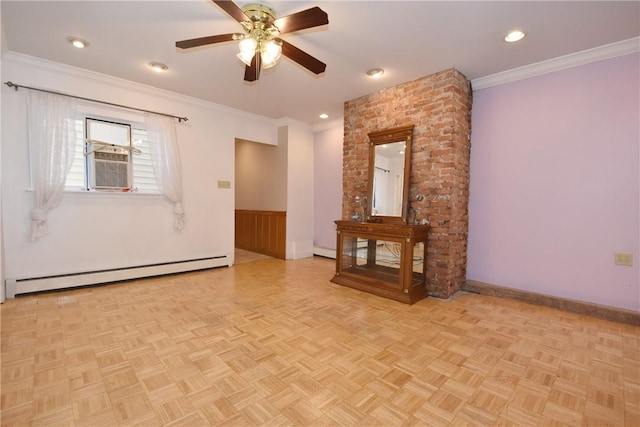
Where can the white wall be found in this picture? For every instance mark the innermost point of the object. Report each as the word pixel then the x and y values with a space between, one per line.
pixel 327 185
pixel 299 140
pixel 3 49
pixel 555 183
pixel 99 231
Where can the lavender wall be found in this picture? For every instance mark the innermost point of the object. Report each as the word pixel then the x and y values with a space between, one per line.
pixel 555 183
pixel 327 184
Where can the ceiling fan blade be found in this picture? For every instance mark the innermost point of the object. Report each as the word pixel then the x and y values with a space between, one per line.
pixel 302 58
pixel 201 41
pixel 252 73
pixel 309 18
pixel 232 9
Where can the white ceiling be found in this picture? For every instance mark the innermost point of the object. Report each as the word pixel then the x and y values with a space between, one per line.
pixel 409 39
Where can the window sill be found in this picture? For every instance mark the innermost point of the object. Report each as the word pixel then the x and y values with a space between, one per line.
pixel 105 193
pixel 110 193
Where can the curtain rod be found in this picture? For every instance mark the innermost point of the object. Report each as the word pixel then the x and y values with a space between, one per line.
pixel 16 86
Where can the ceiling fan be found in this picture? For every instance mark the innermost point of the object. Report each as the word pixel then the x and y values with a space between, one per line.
pixel 260 45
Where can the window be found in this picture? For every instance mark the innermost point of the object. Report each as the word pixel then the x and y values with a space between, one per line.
pixel 117 156
pixel 108 149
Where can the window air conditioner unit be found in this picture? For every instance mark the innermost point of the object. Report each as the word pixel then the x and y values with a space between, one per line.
pixel 110 168
pixel 108 149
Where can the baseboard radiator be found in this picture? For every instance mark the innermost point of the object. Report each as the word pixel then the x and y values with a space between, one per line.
pixel 324 252
pixel 38 284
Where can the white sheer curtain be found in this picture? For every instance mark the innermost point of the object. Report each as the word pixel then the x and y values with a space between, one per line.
pixel 52 142
pixel 165 156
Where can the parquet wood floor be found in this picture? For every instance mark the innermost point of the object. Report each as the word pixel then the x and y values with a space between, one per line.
pixel 273 342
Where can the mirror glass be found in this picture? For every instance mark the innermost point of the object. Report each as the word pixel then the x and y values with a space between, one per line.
pixel 388 179
pixel 389 171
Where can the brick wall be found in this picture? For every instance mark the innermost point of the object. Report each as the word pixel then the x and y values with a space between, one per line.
pixel 439 106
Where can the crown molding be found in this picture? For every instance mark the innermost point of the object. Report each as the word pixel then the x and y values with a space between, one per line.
pixel 560 63
pixel 128 85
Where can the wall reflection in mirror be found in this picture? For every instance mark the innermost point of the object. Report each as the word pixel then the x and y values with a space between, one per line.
pixel 388 175
pixel 388 179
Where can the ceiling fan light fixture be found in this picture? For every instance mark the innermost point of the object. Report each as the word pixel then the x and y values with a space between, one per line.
pixel 261 36
pixel 248 47
pixel 270 52
pixel 514 36
pixel 246 57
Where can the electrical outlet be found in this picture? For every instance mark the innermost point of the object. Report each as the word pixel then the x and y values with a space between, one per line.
pixel 624 259
pixel 224 184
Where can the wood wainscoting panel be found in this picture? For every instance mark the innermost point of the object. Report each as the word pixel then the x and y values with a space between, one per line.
pixel 264 232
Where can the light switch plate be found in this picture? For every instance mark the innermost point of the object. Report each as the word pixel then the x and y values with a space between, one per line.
pixel 224 184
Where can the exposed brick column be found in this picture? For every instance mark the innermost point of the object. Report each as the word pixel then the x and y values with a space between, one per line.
pixel 439 106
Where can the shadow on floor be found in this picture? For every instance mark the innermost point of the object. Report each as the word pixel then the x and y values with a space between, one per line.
pixel 242 256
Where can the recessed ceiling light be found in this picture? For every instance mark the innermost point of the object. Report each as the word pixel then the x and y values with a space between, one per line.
pixel 324 116
pixel 514 36
pixel 78 42
pixel 375 72
pixel 158 67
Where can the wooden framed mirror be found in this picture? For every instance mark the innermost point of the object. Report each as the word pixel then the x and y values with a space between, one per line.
pixel 388 175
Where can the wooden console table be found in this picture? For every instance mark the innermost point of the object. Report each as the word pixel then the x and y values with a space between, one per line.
pixel 388 260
